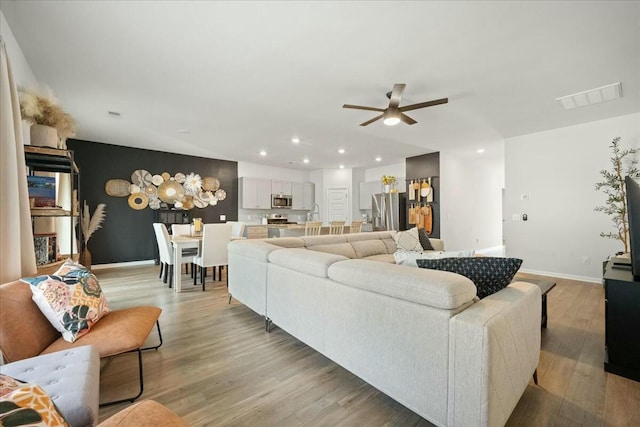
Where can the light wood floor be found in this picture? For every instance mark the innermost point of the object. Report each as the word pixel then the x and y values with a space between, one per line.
pixel 219 367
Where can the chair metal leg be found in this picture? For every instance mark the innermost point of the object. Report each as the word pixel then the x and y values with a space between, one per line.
pixel 535 377
pixel 161 270
pixel 202 275
pixel 267 324
pixel 171 275
pixel 229 298
pixel 140 371
pixel 165 272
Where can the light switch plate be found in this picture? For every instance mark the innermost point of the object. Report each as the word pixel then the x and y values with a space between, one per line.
pixel 223 217
pixel 515 217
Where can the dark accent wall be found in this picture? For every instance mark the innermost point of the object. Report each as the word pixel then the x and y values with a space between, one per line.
pixel 424 166
pixel 127 234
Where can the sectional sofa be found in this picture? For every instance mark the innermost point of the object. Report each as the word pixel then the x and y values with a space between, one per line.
pixel 420 336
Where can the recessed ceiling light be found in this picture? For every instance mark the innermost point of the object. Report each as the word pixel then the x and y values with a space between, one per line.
pixel 341 151
pixel 184 131
pixel 263 153
pixel 378 159
pixel 306 160
pixel 591 96
pixel 295 140
pixel 341 166
pixel 481 150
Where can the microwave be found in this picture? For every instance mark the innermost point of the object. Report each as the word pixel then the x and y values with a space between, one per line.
pixel 280 201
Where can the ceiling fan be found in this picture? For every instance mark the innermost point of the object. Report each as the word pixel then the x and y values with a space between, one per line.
pixel 394 114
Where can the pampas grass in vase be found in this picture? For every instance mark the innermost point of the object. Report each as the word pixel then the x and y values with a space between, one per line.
pixel 89 224
pixel 48 119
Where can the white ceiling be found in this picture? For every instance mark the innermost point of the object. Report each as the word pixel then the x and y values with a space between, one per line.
pixel 248 76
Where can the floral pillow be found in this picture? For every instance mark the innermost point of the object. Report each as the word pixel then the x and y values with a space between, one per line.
pixel 23 404
pixel 71 299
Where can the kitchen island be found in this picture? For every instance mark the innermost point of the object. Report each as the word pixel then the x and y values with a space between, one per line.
pixel 262 231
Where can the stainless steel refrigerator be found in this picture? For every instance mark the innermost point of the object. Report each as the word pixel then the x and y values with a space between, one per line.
pixel 388 211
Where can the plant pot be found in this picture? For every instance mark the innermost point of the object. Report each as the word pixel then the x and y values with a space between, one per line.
pixel 44 136
pixel 85 258
pixel 386 188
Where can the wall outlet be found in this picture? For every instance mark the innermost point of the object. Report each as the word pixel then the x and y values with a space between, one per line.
pixel 524 197
pixel 223 217
pixel 515 217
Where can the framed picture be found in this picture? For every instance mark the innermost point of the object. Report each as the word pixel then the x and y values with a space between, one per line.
pixel 45 247
pixel 42 191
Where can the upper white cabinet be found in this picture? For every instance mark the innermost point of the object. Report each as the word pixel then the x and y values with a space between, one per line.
pixel 281 187
pixel 256 193
pixel 368 189
pixel 303 195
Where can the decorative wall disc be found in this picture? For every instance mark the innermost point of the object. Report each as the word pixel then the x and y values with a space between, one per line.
pixel 180 177
pixel 151 190
pixel 138 201
pixel 170 192
pixel 214 201
pixel 157 179
pixel 199 202
pixel 117 187
pixel 165 176
pixel 221 194
pixel 187 203
pixel 154 203
pixel 133 189
pixel 141 178
pixel 210 183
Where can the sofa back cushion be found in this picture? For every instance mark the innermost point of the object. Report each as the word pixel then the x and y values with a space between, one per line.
pixel 323 240
pixel 305 261
pixel 367 248
pixel 286 242
pixel 24 331
pixel 344 249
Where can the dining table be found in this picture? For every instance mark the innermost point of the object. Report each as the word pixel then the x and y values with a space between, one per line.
pixel 185 242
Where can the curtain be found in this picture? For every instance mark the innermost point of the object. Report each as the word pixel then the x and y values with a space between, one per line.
pixel 17 256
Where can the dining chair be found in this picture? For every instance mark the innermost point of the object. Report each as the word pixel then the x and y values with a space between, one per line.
pixel 312 228
pixel 356 226
pixel 184 230
pixel 237 229
pixel 165 251
pixel 336 227
pixel 213 253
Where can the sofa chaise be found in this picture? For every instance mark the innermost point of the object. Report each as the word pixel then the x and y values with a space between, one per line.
pixel 420 336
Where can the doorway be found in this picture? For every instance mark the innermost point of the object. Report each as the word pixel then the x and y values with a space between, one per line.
pixel 337 204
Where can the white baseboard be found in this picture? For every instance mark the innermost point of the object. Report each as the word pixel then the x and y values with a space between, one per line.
pixel 597 280
pixel 123 264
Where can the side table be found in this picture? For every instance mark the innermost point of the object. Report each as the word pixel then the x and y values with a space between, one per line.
pixel 545 287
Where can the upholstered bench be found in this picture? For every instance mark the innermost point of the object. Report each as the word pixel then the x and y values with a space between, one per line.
pixel 70 377
pixel 25 332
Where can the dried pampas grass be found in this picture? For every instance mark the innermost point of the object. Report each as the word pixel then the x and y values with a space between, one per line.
pixel 40 109
pixel 90 224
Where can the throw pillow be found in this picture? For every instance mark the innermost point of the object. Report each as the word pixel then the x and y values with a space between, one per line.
pixel 27 404
pixel 409 257
pixel 71 299
pixel 424 240
pixel 489 274
pixel 408 240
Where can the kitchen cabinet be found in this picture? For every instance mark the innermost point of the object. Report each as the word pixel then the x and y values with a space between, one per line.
pixel 303 195
pixel 255 193
pixel 281 187
pixel 368 189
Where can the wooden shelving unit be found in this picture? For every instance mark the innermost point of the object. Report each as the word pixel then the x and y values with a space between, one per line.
pixel 45 159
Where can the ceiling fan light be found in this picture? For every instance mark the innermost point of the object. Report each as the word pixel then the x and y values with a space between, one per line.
pixel 391 117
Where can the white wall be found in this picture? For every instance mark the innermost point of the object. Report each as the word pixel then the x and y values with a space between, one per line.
pixel 558 169
pixel 471 200
pixel 22 71
pixel 397 169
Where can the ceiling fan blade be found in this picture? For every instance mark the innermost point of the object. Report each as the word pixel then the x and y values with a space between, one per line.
pixel 396 95
pixel 368 122
pixel 406 119
pixel 360 107
pixel 424 104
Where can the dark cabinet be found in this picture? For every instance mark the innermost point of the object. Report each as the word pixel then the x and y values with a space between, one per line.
pixel 173 216
pixel 622 323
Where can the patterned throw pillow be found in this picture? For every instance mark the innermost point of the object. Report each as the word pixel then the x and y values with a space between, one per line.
pixel 71 299
pixel 408 240
pixel 489 274
pixel 23 404
pixel 424 240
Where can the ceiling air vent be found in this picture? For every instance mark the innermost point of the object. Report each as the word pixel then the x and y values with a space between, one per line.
pixel 114 114
pixel 591 96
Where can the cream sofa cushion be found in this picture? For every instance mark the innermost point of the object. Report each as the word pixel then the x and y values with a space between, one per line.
pixel 368 248
pixel 344 249
pixel 305 261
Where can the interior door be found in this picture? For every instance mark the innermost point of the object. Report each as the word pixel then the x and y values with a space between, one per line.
pixel 337 204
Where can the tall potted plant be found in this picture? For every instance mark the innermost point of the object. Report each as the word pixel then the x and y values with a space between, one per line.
pixel 625 163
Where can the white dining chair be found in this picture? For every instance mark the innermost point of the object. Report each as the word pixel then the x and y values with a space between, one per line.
pixel 165 251
pixel 237 229
pixel 184 230
pixel 213 253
